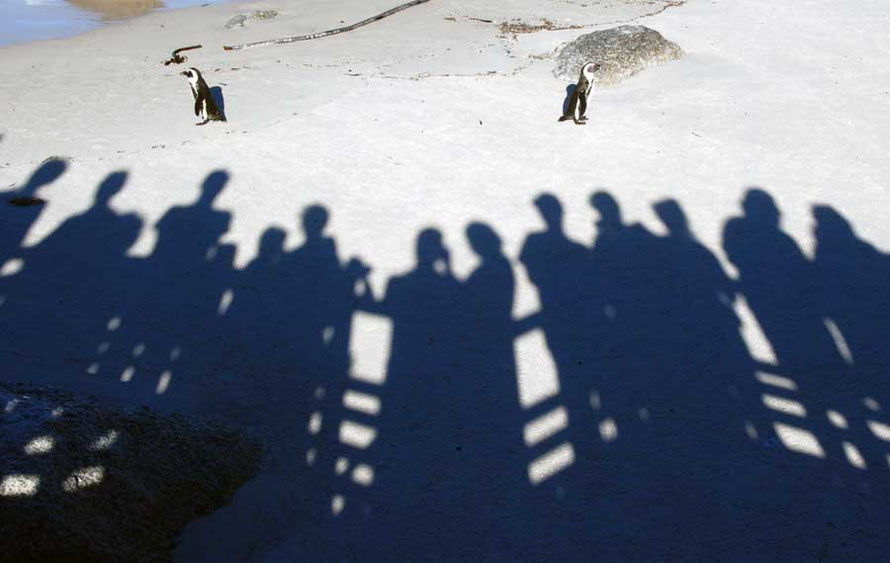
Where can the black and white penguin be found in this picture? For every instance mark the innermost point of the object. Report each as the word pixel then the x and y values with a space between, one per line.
pixel 205 105
pixel 578 99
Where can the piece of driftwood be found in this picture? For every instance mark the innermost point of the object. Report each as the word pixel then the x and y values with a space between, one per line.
pixel 176 58
pixel 327 33
pixel 26 201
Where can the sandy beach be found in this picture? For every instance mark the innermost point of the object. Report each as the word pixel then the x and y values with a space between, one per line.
pixel 437 118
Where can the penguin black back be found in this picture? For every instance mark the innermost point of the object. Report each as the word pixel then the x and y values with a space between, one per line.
pixel 205 105
pixel 578 97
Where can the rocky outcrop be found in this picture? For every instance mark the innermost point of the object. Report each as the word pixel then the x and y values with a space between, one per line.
pixel 82 481
pixel 621 51
pixel 257 15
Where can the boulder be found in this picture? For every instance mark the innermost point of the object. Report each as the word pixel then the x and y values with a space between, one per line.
pixel 83 481
pixel 621 51
pixel 258 15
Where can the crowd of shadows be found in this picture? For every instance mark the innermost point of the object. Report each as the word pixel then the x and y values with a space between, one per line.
pixel 671 441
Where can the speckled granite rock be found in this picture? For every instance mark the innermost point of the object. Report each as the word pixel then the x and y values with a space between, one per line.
pixel 622 51
pixel 82 481
pixel 259 15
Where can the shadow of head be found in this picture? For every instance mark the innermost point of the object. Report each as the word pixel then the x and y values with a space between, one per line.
pixel 110 186
pixel 272 242
pixel 214 184
pixel 760 208
pixel 830 225
pixel 672 216
pixel 550 210
pixel 430 248
pixel 45 174
pixel 610 213
pixel 483 240
pixel 315 219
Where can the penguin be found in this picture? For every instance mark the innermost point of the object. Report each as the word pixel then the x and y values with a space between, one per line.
pixel 205 105
pixel 578 98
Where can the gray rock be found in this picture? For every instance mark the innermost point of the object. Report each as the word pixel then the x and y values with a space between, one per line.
pixel 264 15
pixel 621 51
pixel 259 15
pixel 83 481
pixel 236 21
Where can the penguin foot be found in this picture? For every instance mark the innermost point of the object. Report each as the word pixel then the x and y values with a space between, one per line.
pixel 202 123
pixel 582 118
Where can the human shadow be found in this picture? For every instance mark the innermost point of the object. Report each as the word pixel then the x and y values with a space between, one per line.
pixel 22 206
pixel 416 429
pixel 680 444
pixel 783 290
pixel 72 286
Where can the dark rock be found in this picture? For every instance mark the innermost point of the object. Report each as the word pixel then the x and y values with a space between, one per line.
pixel 83 481
pixel 621 51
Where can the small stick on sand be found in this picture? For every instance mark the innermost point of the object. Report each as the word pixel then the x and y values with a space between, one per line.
pixel 176 59
pixel 321 34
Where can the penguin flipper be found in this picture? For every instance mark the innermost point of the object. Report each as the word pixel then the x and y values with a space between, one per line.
pixel 199 98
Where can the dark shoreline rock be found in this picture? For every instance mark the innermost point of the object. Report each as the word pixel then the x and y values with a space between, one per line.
pixel 621 51
pixel 84 481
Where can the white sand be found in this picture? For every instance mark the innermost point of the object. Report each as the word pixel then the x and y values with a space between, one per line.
pixel 419 120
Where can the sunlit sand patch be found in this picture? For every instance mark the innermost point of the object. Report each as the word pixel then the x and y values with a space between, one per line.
pixel 854 456
pixel 545 426
pixel 225 302
pixel 608 430
pixel 361 402
pixel 551 463
pixel 369 347
pixel 837 419
pixel 19 485
pixel 879 429
pixel 163 383
pixel 363 474
pixel 786 406
pixel 750 430
pixel 106 441
pixel 338 503
pixel 537 375
pixel 871 404
pixel 839 341
pixel 356 435
pixel 314 423
pixel 776 381
pixel 83 478
pixel 798 440
pixel 40 445
pixel 128 373
pixel 11 267
pixel 341 466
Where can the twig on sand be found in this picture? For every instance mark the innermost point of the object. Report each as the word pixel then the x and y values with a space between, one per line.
pixel 327 33
pixel 176 58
